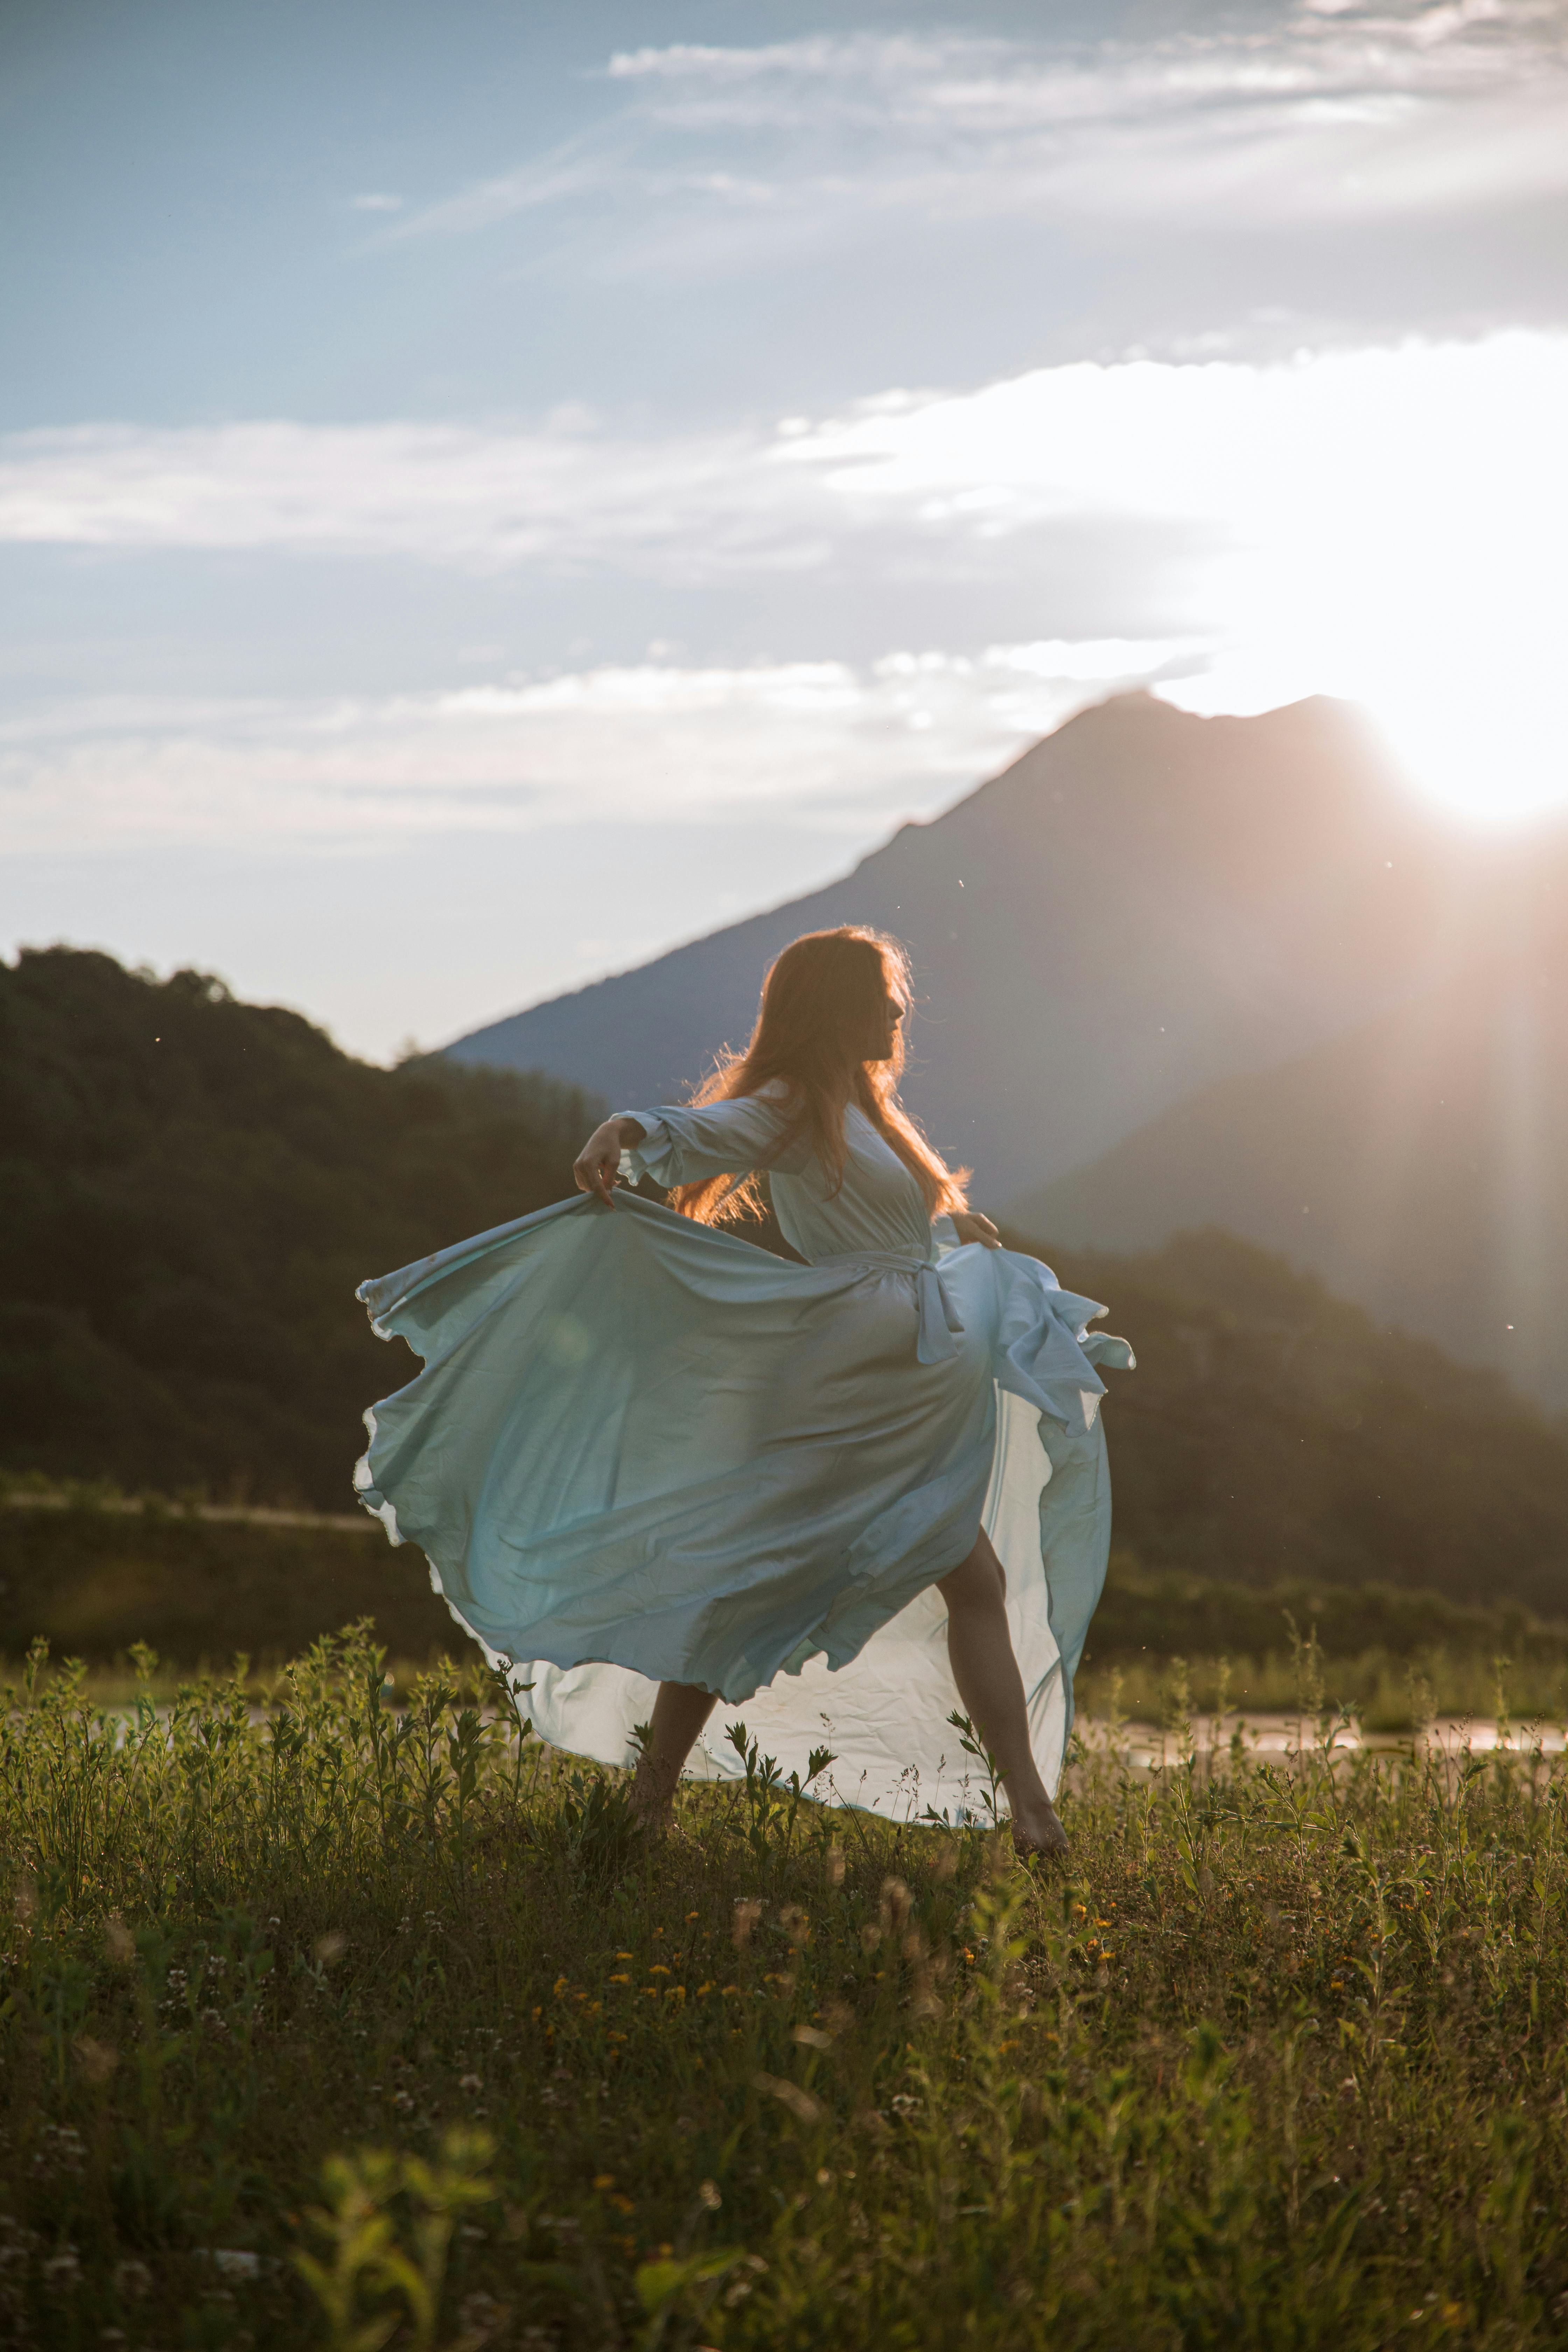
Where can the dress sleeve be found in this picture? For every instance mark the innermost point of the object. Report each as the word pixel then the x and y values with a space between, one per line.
pixel 687 1146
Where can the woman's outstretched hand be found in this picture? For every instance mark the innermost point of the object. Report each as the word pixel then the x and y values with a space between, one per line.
pixel 971 1226
pixel 598 1163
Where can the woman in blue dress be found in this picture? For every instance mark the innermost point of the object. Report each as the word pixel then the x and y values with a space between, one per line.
pixel 838 1494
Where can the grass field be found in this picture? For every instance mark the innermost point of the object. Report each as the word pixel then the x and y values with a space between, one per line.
pixel 333 2024
pixel 92 1571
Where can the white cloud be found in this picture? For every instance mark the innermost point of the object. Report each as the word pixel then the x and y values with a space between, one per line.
pixel 855 749
pixel 1383 523
pixel 452 494
pixel 376 201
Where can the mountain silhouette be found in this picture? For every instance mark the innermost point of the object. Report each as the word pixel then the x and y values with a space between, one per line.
pixel 1419 1165
pixel 1176 973
pixel 1145 902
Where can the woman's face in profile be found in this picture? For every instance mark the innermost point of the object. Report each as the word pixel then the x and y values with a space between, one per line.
pixel 884 1025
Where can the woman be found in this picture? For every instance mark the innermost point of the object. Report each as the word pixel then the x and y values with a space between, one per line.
pixel 643 1451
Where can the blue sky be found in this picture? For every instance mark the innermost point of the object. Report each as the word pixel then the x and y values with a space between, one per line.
pixel 488 492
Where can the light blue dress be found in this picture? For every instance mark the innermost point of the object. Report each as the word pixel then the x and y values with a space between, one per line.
pixel 644 1450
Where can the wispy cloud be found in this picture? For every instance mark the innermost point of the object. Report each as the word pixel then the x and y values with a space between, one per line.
pixel 484 496
pixel 1335 113
pixel 856 749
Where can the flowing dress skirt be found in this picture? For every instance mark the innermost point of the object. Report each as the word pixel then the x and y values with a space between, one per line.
pixel 644 1450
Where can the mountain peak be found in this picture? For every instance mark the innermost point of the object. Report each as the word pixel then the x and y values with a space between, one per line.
pixel 1144 902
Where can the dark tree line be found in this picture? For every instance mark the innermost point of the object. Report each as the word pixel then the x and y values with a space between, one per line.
pixel 190 1189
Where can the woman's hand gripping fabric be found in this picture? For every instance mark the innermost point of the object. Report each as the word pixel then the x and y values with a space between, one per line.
pixel 596 1166
pixel 971 1226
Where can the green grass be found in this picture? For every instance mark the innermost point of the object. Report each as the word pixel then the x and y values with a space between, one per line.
pixel 335 2019
pixel 93 1571
pixel 1383 1694
pixel 1389 1656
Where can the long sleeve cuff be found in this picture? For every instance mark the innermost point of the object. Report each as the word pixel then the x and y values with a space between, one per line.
pixel 652 1156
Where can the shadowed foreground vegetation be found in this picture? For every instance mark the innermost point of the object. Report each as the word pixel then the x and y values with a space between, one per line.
pixel 1390 1658
pixel 92 1572
pixel 1279 2060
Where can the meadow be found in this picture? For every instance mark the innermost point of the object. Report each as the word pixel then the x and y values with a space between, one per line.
pixel 352 2018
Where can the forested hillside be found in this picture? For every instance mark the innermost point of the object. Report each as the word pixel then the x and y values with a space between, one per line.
pixel 1274 1434
pixel 190 1189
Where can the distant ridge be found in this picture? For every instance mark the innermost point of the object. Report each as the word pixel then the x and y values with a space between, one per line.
pixel 1143 905
pixel 1419 1164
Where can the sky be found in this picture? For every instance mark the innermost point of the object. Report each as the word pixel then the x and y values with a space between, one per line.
pixel 489 492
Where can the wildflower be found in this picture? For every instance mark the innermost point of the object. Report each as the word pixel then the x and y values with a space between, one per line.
pixel 659 1970
pixel 625 1956
pixel 132 2279
pixel 470 2083
pixel 603 2181
pixel 62 2270
pixel 690 1915
pixel 708 2195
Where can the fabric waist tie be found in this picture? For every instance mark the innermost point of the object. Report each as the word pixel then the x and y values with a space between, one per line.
pixel 939 1319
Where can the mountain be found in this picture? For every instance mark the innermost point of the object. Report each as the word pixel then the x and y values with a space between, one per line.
pixel 1177 973
pixel 190 1190
pixel 1419 1164
pixel 1273 1434
pixel 1145 903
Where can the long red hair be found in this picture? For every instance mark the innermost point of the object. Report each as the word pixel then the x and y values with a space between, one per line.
pixel 822 1001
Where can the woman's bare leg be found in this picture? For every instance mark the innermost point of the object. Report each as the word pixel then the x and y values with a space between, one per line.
pixel 980 1649
pixel 680 1712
